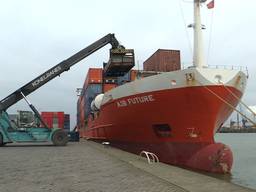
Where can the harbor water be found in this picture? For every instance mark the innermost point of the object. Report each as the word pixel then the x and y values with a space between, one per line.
pixel 243 146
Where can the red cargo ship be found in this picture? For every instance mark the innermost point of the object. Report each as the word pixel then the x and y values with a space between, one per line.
pixel 172 114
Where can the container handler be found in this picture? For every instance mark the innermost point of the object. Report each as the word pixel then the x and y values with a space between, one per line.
pixel 10 133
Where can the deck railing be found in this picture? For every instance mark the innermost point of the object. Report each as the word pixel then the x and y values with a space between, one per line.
pixel 230 67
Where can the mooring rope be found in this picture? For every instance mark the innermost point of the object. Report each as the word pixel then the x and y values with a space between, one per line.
pixel 227 103
pixel 234 95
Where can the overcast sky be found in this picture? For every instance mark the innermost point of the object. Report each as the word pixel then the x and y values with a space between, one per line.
pixel 36 35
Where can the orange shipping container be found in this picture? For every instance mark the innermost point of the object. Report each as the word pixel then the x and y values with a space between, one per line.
pixel 94 76
pixel 133 74
pixel 108 86
pixel 163 60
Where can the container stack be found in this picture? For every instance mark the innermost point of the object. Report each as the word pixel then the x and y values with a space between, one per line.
pixel 163 60
pixel 96 83
pixel 56 119
pixel 78 113
pixel 91 88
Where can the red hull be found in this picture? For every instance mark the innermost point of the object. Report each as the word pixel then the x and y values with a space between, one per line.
pixel 178 125
pixel 214 157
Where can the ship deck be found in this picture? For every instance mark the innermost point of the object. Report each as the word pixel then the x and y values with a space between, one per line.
pixel 89 166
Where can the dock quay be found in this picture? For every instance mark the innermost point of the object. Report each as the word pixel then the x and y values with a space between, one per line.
pixel 89 166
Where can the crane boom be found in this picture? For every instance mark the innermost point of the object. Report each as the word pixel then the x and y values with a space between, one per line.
pixel 56 71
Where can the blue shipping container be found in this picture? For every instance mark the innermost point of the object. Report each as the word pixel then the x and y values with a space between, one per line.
pixel 67 121
pixel 67 125
pixel 90 93
pixel 124 79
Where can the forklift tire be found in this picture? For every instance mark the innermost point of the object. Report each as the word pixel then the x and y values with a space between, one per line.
pixel 59 138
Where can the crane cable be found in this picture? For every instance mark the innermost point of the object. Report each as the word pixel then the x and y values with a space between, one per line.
pixel 228 104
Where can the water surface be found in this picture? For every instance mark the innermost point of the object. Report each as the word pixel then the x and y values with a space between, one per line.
pixel 243 146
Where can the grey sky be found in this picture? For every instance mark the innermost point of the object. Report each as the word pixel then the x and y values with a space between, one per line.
pixel 36 35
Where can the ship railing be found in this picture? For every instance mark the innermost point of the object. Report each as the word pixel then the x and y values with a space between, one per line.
pixel 189 65
pixel 151 157
pixel 229 67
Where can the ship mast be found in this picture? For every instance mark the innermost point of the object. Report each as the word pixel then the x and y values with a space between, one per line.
pixel 198 60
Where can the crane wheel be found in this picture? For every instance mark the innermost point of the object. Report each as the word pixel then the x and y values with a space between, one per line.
pixel 60 138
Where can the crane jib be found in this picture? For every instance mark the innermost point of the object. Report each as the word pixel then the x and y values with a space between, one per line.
pixel 65 66
pixel 46 76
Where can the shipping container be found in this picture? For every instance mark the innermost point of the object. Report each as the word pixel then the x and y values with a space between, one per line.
pixel 82 117
pixel 78 111
pixel 47 118
pixel 90 93
pixel 92 90
pixel 124 79
pixel 133 75
pixel 94 76
pixel 58 120
pixel 163 60
pixel 78 104
pixel 66 122
pixel 108 87
pixel 78 120
pixel 120 62
pixel 53 119
pixel 66 117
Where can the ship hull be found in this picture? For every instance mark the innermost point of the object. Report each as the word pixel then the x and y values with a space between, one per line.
pixel 208 157
pixel 176 124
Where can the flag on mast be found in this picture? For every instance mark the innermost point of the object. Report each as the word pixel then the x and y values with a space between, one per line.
pixel 210 5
